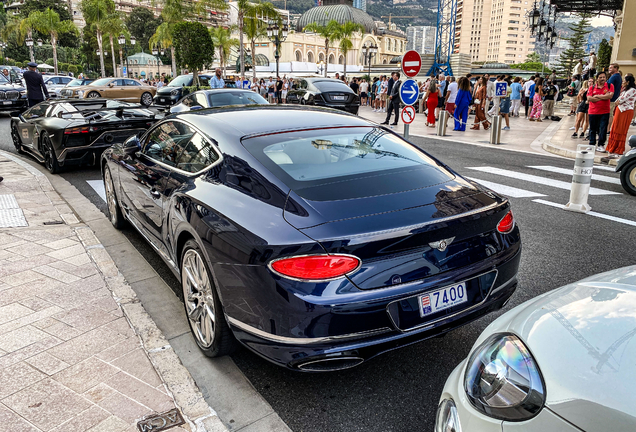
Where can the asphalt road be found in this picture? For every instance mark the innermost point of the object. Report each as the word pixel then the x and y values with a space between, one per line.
pixel 399 391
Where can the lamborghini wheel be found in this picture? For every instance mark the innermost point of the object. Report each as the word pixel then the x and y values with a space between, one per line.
pixel 50 159
pixel 17 141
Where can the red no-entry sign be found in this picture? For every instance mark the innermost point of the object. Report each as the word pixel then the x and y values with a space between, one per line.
pixel 408 114
pixel 411 63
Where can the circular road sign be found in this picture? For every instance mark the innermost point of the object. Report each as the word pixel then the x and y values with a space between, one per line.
pixel 409 92
pixel 411 63
pixel 408 114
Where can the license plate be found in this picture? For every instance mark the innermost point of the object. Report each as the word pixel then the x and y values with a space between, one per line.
pixel 162 100
pixel 7 102
pixel 339 98
pixel 443 299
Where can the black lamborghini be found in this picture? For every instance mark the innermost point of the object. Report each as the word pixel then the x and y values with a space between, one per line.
pixel 74 132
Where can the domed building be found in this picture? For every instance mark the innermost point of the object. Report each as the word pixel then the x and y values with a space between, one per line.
pixel 339 10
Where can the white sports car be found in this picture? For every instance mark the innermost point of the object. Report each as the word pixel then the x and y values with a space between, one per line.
pixel 564 361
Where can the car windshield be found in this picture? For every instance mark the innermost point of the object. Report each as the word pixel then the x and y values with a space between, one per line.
pixel 75 83
pixel 235 98
pixel 3 79
pixel 331 86
pixel 346 163
pixel 101 82
pixel 181 80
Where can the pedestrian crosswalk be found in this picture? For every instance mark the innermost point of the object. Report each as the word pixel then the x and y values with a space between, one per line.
pixel 595 177
pixel 559 184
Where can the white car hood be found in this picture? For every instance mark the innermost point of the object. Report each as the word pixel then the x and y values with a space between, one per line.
pixel 583 337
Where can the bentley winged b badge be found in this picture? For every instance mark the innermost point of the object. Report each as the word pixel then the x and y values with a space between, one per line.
pixel 441 245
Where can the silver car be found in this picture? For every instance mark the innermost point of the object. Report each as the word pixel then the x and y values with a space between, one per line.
pixel 563 361
pixel 55 83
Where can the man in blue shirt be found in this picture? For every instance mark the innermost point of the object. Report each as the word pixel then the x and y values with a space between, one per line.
pixel 217 80
pixel 515 97
pixel 615 80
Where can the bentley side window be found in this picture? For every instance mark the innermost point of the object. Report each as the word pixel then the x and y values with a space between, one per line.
pixel 166 142
pixel 197 154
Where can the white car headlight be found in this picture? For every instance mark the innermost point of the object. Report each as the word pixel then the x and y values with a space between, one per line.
pixel 447 418
pixel 503 381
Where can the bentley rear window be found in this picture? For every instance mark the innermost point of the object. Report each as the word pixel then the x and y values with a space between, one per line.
pixel 346 163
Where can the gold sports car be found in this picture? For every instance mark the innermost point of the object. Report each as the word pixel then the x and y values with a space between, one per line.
pixel 126 89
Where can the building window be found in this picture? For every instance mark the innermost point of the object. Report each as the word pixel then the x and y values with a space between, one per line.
pixel 299 56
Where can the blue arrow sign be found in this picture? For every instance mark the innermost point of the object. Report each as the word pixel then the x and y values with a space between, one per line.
pixel 409 92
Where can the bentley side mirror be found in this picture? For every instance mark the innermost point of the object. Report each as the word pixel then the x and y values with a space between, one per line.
pixel 131 145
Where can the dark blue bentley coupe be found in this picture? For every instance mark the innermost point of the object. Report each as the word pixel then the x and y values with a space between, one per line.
pixel 313 237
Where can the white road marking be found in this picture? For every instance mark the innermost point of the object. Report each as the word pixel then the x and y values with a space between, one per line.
pixel 508 191
pixel 605 168
pixel 98 185
pixel 591 213
pixel 539 180
pixel 558 170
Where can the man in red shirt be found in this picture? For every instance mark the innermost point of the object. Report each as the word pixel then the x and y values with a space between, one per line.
pixel 599 96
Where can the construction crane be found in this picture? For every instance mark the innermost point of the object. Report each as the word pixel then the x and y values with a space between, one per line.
pixel 445 37
pixel 401 16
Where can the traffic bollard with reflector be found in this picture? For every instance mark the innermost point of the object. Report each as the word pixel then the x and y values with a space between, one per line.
pixel 581 179
pixel 441 125
pixel 495 130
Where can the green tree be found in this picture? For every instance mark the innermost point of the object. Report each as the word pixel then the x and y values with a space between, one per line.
pixel 252 9
pixel 344 33
pixel 142 24
pixel 577 41
pixel 62 9
pixel 97 14
pixel 223 42
pixel 163 39
pixel 113 27
pixel 604 55
pixel 533 57
pixel 327 31
pixel 48 22
pixel 193 46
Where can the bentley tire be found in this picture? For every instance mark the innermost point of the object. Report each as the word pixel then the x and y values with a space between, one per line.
pixel 146 99
pixel 628 178
pixel 116 216
pixel 50 159
pixel 202 305
pixel 93 95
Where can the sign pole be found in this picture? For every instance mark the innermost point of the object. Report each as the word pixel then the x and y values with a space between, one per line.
pixel 406 131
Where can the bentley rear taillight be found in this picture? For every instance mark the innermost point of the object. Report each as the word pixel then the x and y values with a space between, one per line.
pixel 507 223
pixel 315 267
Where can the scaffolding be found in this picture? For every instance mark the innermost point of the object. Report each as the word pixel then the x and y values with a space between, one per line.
pixel 445 37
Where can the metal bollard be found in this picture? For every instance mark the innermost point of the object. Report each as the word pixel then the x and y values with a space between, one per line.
pixel 581 179
pixel 495 130
pixel 441 125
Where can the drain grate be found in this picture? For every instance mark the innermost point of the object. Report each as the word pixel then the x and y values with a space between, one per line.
pixel 161 422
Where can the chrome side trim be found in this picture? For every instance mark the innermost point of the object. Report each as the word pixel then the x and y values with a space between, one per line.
pixel 431 323
pixel 303 341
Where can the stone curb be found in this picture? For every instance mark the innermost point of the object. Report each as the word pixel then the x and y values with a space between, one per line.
pixel 176 379
pixel 569 153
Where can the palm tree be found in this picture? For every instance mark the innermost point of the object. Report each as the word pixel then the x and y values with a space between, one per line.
pixel 113 27
pixel 97 13
pixel 326 31
pixel 223 42
pixel 49 22
pixel 20 28
pixel 252 10
pixel 163 38
pixel 344 33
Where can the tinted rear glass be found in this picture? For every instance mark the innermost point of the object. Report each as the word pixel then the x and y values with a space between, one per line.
pixel 182 80
pixel 236 98
pixel 331 86
pixel 346 163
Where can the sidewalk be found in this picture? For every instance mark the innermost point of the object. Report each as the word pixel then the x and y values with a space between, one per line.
pixel 524 135
pixel 78 352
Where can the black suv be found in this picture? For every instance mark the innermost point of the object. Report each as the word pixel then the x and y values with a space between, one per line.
pixel 171 93
pixel 12 94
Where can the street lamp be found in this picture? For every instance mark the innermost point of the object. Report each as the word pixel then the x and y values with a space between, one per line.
pixel 29 43
pixel 40 42
pixel 321 64
pixel 277 35
pixel 369 51
pixel 122 42
pixel 155 52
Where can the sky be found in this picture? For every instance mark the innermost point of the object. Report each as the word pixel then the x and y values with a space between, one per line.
pixel 602 21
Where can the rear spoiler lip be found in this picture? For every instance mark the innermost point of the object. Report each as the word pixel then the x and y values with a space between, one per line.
pixel 118 109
